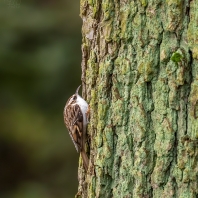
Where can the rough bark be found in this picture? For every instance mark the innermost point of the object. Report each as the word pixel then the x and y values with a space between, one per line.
pixel 140 77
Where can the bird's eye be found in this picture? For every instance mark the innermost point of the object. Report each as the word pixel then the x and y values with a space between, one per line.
pixel 74 97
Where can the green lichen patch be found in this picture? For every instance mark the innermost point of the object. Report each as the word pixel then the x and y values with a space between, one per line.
pixel 176 57
pixel 195 52
pixel 144 3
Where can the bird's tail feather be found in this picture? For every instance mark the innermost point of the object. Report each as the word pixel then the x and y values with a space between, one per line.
pixel 85 159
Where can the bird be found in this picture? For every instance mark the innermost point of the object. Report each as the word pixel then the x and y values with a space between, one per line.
pixel 76 119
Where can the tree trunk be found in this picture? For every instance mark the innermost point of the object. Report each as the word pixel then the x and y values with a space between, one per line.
pixel 140 78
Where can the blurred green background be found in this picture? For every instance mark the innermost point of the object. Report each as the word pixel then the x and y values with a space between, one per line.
pixel 40 55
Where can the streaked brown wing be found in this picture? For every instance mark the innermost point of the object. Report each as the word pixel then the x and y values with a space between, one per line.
pixel 73 118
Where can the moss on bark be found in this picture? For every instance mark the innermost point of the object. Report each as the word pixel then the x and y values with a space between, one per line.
pixel 140 77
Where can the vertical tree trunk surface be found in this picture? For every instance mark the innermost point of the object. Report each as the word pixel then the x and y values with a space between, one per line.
pixel 140 77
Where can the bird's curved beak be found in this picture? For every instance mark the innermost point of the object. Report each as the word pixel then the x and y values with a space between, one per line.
pixel 77 90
